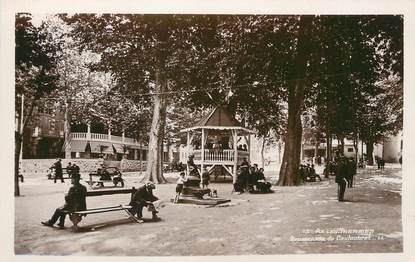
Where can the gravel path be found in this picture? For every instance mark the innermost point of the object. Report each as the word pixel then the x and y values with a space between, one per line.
pixel 293 220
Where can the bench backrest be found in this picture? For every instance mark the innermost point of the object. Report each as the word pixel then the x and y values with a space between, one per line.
pixel 110 192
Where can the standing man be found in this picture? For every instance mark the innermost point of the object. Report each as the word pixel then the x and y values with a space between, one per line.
pixel 205 178
pixel 341 174
pixel 351 166
pixel 74 201
pixel 69 169
pixel 58 171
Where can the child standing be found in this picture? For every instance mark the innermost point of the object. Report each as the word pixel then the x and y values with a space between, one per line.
pixel 179 186
pixel 205 178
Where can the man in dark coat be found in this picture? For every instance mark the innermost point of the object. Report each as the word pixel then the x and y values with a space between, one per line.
pixel 58 171
pixel 262 185
pixel 341 175
pixel 69 169
pixel 351 172
pixel 74 201
pixel 192 167
pixel 144 197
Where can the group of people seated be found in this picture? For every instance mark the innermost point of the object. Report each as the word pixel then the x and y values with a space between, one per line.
pixel 308 173
pixel 105 175
pixel 251 179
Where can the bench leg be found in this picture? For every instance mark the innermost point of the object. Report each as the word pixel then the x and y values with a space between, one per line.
pixel 75 218
pixel 132 216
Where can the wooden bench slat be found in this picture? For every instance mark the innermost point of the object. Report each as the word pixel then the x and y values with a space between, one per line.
pixel 109 192
pixel 102 210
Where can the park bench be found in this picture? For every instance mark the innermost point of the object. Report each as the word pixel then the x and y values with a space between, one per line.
pixel 76 216
pixel 311 177
pixel 98 179
pixel 51 173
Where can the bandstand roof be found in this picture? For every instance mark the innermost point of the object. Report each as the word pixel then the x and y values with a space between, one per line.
pixel 218 119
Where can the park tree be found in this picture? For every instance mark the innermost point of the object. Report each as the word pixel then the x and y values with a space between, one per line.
pixel 354 54
pixel 35 76
pixel 146 54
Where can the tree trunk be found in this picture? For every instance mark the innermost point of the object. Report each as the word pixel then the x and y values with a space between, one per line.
pixel 342 146
pixel 67 130
pixel 328 145
pixel 356 149
pixel 18 146
pixel 141 157
pixel 154 161
pixel 262 152
pixel 19 140
pixel 288 175
pixel 369 153
pixel 316 145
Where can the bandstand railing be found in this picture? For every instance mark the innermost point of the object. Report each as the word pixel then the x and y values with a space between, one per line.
pixel 219 155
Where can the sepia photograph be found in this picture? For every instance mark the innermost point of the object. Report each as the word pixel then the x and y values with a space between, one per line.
pixel 180 134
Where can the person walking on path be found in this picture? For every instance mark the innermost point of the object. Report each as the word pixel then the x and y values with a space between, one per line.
pixel 58 171
pixel 341 175
pixel 74 201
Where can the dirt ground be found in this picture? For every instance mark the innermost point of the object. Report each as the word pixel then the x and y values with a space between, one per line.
pixel 293 220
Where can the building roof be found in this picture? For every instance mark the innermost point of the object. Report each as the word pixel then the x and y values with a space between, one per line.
pixel 219 118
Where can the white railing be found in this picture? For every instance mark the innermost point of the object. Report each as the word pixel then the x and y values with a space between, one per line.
pixel 215 155
pixel 95 136
pixel 78 135
pixel 102 137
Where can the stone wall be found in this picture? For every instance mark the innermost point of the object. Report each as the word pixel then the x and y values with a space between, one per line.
pixel 40 166
pixel 132 165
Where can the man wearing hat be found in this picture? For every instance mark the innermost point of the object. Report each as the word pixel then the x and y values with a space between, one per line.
pixel 144 197
pixel 58 171
pixel 74 201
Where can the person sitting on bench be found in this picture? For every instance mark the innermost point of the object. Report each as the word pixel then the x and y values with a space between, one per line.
pixel 144 197
pixel 74 201
pixel 312 172
pixel 104 174
pixel 262 185
pixel 240 183
pixel 118 177
pixel 252 178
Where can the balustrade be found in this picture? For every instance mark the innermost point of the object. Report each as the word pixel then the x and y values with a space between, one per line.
pixel 102 137
pixel 215 155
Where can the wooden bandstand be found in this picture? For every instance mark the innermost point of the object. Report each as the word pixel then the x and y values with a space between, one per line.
pixel 218 140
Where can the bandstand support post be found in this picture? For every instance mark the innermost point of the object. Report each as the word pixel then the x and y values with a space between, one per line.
pixel 202 156
pixel 235 162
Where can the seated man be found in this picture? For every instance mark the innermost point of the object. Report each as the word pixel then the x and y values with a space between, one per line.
pixel 118 177
pixel 144 197
pixel 241 181
pixel 302 172
pixel 252 179
pixel 74 201
pixel 262 185
pixel 312 172
pixel 104 174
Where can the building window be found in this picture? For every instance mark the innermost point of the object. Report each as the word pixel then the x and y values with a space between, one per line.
pixel 350 150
